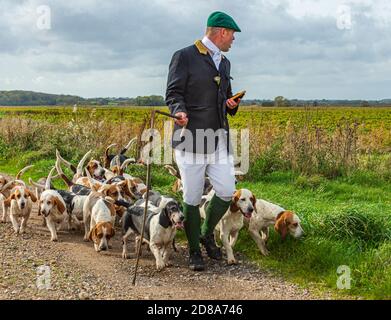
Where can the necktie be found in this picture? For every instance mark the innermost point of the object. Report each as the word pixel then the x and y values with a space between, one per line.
pixel 217 58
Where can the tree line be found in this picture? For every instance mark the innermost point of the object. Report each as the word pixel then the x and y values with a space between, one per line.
pixel 31 98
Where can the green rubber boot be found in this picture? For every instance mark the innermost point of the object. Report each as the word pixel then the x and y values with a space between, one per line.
pixel 192 224
pixel 214 212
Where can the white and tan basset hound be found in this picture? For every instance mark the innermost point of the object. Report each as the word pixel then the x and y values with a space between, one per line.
pixel 20 202
pixel 268 214
pixel 102 223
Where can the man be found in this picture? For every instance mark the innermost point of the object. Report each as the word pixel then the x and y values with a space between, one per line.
pixel 198 91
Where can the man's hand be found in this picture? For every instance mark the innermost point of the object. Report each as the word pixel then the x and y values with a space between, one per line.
pixel 183 121
pixel 232 104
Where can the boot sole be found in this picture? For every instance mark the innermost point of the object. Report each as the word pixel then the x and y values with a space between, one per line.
pixel 197 268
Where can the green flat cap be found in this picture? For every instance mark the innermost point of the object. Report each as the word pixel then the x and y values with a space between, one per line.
pixel 221 19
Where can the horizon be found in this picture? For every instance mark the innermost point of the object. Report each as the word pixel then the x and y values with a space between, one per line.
pixel 133 97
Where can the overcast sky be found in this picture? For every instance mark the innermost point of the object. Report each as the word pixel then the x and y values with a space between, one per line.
pixel 295 48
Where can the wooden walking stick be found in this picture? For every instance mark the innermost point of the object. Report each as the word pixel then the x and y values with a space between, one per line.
pixel 149 162
pixel 174 117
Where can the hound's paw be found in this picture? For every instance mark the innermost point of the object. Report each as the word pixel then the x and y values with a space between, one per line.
pixel 125 255
pixel 265 252
pixel 232 261
pixel 168 264
pixel 54 239
pixel 160 265
pixel 86 239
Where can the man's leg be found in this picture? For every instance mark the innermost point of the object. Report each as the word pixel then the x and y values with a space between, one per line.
pixel 222 177
pixel 193 178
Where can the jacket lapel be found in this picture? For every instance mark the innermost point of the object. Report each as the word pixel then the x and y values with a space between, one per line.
pixel 204 51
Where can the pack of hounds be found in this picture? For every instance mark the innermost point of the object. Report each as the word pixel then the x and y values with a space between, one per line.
pixel 102 196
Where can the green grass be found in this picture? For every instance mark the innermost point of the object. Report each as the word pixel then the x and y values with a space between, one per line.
pixel 345 224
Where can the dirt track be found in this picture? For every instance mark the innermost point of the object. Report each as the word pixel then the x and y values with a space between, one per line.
pixel 78 272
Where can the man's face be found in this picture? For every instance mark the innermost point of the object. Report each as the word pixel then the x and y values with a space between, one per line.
pixel 227 37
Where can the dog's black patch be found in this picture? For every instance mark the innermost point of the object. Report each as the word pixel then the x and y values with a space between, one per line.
pixel 68 199
pixel 154 197
pixel 115 179
pixel 133 219
pixel 123 203
pixel 164 218
pixel 80 190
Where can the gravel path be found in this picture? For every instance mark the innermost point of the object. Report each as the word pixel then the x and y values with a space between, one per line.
pixel 78 272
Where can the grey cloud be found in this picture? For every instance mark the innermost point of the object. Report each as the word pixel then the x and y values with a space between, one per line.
pixel 140 36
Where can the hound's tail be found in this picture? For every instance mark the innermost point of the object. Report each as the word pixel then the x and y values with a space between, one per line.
pixel 107 159
pixel 20 173
pixel 67 181
pixel 67 163
pixel 79 170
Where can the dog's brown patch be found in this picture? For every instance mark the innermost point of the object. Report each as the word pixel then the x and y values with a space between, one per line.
pixel 234 204
pixel 284 219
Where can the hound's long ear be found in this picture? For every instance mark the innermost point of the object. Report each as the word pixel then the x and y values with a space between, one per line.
pixel 164 218
pixel 112 232
pixel 233 206
pixel 281 225
pixel 39 207
pixel 60 206
pixel 31 195
pixel 7 202
pixel 254 201
pixel 92 234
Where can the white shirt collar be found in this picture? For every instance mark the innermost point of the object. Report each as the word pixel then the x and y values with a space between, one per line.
pixel 210 45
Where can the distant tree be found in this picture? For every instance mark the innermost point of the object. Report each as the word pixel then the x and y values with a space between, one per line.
pixel 280 101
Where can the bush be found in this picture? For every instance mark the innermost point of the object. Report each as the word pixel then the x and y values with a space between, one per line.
pixel 267 162
pixel 370 229
pixel 311 182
